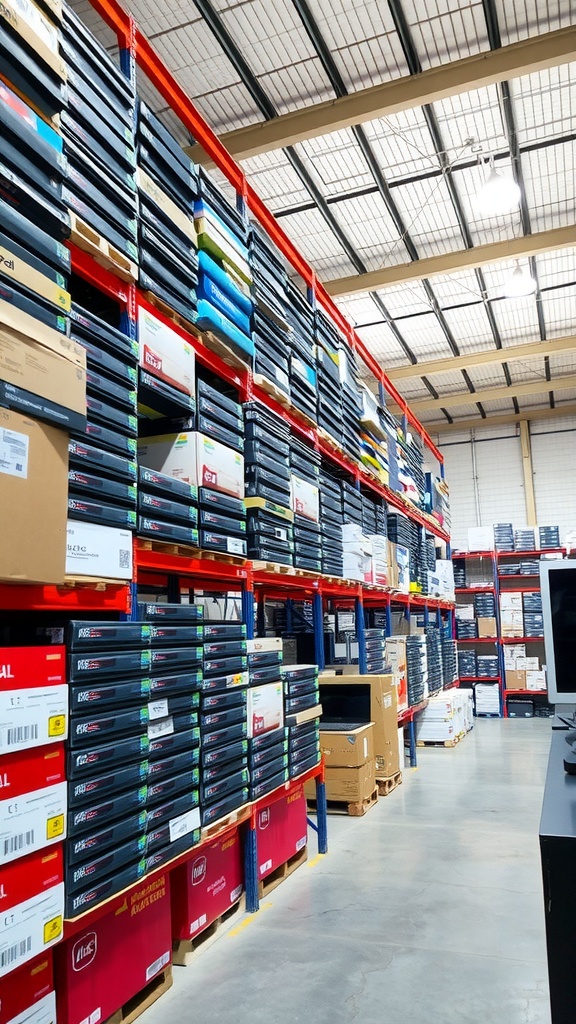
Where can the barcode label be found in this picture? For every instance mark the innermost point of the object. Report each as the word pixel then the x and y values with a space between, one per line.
pixel 124 558
pixel 19 734
pixel 15 952
pixel 14 844
pixel 158 964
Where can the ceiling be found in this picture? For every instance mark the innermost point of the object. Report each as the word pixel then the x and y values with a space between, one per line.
pixel 401 187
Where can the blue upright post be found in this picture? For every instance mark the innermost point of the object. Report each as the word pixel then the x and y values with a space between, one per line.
pixel 321 816
pixel 248 612
pixel 318 622
pixel 361 636
pixel 251 868
pixel 412 739
pixel 132 615
pixel 388 617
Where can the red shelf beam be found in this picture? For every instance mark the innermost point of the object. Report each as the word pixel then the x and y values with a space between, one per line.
pixel 511 693
pixel 527 554
pixel 522 639
pixel 477 640
pixel 131 37
pixel 472 554
pixel 475 590
pixel 70 598
pixel 480 679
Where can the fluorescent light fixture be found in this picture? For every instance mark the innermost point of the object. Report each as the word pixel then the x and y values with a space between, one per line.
pixel 519 283
pixel 499 194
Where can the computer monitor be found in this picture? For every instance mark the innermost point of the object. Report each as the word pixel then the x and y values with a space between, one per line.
pixel 558 586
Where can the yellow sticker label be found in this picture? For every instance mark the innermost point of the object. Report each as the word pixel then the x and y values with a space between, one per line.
pixel 53 929
pixel 57 725
pixel 55 826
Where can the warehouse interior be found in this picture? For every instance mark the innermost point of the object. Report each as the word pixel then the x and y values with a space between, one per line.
pixel 287 408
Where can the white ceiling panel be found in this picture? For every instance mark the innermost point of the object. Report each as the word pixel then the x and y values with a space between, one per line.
pixel 517 320
pixel 545 103
pixel 474 115
pixel 381 342
pixel 269 33
pixel 276 181
pixel 429 216
pixel 337 163
pixel 484 229
pixel 492 376
pixel 560 312
pixel 470 327
pixel 445 30
pixel 362 39
pixel 318 245
pixel 457 288
pixel 359 309
pixel 369 226
pixel 563 363
pixel 524 18
pixel 549 175
pixel 448 383
pixel 402 144
pixel 556 268
pixel 425 336
pixel 405 299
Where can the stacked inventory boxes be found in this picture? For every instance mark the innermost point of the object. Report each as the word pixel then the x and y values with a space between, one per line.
pixel 102 477
pixel 168 508
pixel 303 376
pixel 305 481
pixel 224 297
pixel 270 329
pixel 268 743
pixel 351 503
pixel 167 187
pixel 487 666
pixel 416 668
pixel 533 617
pixel 485 612
pixel 33 726
pixel 434 658
pixel 548 537
pixel 467 663
pixel 224 782
pixel 524 539
pixel 330 408
pixel 331 524
pixel 403 535
pixel 511 614
pixel 351 400
pixel 487 699
pixel 437 499
pixel 173 816
pixel 410 455
pixel 375 645
pixel 503 536
pixel 301 699
pixel 109 693
pixel 374 438
pixel 357 553
pixel 444 719
pixel 99 134
pixel 268 486
pixel 450 669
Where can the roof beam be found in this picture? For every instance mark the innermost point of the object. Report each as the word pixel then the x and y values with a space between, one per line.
pixel 492 394
pixel 450 262
pixel 484 358
pixel 483 69
pixel 543 413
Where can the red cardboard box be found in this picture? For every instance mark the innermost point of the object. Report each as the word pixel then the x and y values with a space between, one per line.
pixel 32 801
pixel 32 902
pixel 281 831
pixel 100 969
pixel 33 697
pixel 27 995
pixel 206 886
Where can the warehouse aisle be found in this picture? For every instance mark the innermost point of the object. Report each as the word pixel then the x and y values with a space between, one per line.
pixel 428 909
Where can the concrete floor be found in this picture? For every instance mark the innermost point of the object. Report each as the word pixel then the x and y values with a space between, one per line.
pixel 426 911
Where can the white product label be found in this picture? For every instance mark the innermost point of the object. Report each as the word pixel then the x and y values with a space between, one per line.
pixel 93 550
pixel 235 545
pixel 165 727
pixel 265 866
pixel 31 927
pixel 32 821
pixel 32 717
pixel 157 966
pixel 158 709
pixel 365 747
pixel 93 1017
pixel 387 702
pixel 14 449
pixel 301 843
pixel 199 923
pixel 184 824
pixel 236 893
pixel 43 1012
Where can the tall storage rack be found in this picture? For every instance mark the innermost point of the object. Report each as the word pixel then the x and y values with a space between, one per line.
pixel 173 568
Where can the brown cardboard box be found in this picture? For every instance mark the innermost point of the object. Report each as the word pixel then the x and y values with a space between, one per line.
pixel 45 363
pixel 392 566
pixel 33 508
pixel 380 693
pixel 349 749
pixel 515 679
pixel 348 785
pixel 487 627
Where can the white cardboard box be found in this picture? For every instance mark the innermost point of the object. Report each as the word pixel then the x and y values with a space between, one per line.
pixel 94 550
pixel 265 708
pixel 195 458
pixel 480 538
pixel 172 454
pixel 165 354
pixel 536 680
pixel 305 498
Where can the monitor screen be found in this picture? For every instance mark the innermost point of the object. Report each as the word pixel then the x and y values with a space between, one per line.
pixel 559 609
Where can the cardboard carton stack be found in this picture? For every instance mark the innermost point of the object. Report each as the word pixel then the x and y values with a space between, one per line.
pixel 364 699
pixel 523 671
pixel 446 719
pixel 268 486
pixel 350 772
pixel 267 740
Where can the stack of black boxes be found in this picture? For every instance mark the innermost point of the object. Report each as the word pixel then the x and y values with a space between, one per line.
pixel 450 669
pixel 167 508
pixel 301 694
pixel 270 329
pixel 467 664
pixel 351 504
pixel 303 377
pixel 102 475
pixel 434 659
pixel 224 776
pixel 487 666
pixel 484 606
pixel 330 409
pixel 99 134
pixel 466 629
pixel 533 617
pixel 173 818
pixel 548 537
pixel 222 513
pixel 375 650
pixel 503 537
pixel 268 494
pixel 331 524
pixel 416 668
pixel 167 186
pixel 351 401
pixel 305 482
pixel 268 747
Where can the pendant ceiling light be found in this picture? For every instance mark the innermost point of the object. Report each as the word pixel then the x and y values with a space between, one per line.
pixel 519 283
pixel 499 194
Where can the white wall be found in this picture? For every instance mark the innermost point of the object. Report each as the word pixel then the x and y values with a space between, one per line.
pixel 484 471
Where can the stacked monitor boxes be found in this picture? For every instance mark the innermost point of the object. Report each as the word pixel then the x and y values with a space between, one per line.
pixel 434 659
pixel 305 481
pixel 351 401
pixel 410 455
pixel 301 694
pixel 375 644
pixel 416 669
pixel 437 500
pixel 102 476
pixel 167 188
pixel 330 497
pixel 270 329
pixel 268 486
pixel 99 132
pixel 330 408
pixel 224 782
pixel 267 744
pixel 303 375
pixel 225 276
pixel 450 671
pixel 351 504
pixel 167 507
pixel 374 438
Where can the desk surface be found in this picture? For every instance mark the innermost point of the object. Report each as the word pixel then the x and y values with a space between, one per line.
pixel 559 803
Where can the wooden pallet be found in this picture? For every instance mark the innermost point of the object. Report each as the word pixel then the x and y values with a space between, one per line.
pixel 227 354
pixel 272 389
pixel 353 810
pixel 441 743
pixel 144 999
pixel 328 439
pixel 284 570
pixel 101 250
pixel 281 873
pixel 166 309
pixel 386 786
pixel 185 951
pixel 99 583
pixel 235 817
pixel 187 551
